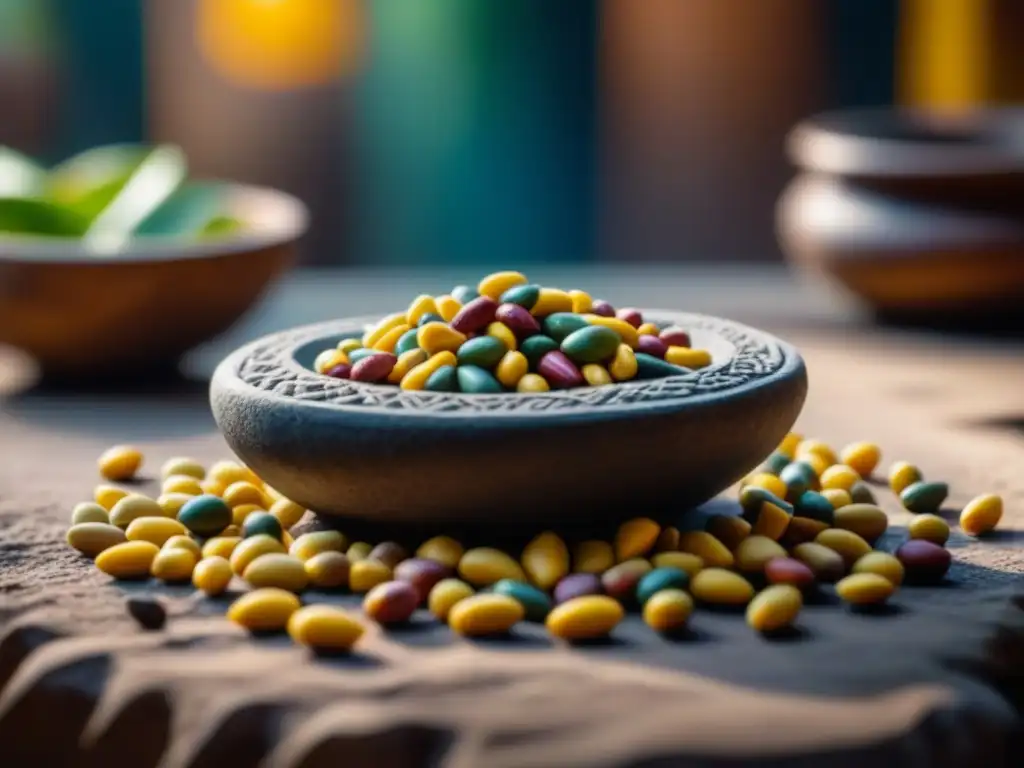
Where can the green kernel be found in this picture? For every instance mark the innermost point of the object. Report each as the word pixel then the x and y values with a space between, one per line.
pixel 483 351
pixel 799 477
pixel 650 367
pixel 406 342
pixel 535 347
pixel 261 522
pixel 464 294
pixel 475 380
pixel 591 344
pixel 429 317
pixel 922 497
pixel 205 515
pixel 536 603
pixel 443 380
pixel 559 325
pixel 654 581
pixel 523 295
pixel 815 506
pixel 776 463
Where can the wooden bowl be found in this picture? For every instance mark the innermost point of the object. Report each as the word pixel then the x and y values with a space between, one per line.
pixel 917 215
pixel 82 315
pixel 376 452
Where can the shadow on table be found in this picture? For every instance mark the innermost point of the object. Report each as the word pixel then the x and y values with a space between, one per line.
pixel 166 406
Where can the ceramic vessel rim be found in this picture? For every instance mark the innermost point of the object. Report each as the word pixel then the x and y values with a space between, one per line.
pixel 226 378
pixel 290 221
pixel 828 143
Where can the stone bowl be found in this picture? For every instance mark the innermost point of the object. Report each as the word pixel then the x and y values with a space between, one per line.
pixel 371 452
pixel 916 214
pixel 86 316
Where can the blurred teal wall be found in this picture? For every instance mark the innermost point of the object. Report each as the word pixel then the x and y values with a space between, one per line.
pixel 475 133
pixel 101 76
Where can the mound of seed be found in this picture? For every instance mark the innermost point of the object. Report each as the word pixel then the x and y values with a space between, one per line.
pixel 804 523
pixel 509 335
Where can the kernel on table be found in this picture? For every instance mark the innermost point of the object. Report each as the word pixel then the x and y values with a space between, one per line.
pixel 788 534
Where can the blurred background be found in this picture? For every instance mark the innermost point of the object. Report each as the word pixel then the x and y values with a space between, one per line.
pixel 464 132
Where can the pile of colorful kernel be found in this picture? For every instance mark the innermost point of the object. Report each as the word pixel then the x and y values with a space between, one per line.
pixel 510 335
pixel 808 518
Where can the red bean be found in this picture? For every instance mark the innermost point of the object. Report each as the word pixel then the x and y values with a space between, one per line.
pixel 559 370
pixel 632 316
pixel 392 602
pixel 923 561
pixel 652 345
pixel 475 315
pixel 577 585
pixel 340 371
pixel 374 367
pixel 786 570
pixel 518 320
pixel 422 574
pixel 602 308
pixel 675 337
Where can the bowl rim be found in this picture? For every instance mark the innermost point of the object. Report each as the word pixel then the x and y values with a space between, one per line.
pixel 290 220
pixel 270 361
pixel 847 142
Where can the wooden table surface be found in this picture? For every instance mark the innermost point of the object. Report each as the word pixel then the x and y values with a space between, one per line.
pixel 952 405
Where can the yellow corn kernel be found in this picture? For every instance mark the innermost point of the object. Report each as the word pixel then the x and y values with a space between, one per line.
pixel 120 462
pixel 551 300
pixel 774 485
pixel 181 484
pixel 503 332
pixel 688 358
pixel 862 457
pixel 532 382
pixel 789 443
pixel 108 495
pixel 596 375
pixel 818 447
pixel 497 283
pixel 447 307
pixel 439 337
pixel 837 497
pixel 386 343
pixel 405 363
pixel 416 379
pixel 623 365
pixel 375 334
pixel 244 492
pixel 328 359
pixel 511 369
pixel 422 305
pixel 626 331
pixel 581 301
pixel 901 474
pixel 981 515
pixel 182 465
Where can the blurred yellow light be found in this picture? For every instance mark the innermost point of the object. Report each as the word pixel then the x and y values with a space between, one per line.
pixel 281 44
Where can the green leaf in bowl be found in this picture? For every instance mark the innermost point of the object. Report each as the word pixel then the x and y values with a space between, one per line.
pixel 221 226
pixel 20 175
pixel 193 209
pixel 90 180
pixel 33 216
pixel 151 183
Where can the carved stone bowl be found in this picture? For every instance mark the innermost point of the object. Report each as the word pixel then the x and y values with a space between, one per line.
pixel 372 452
